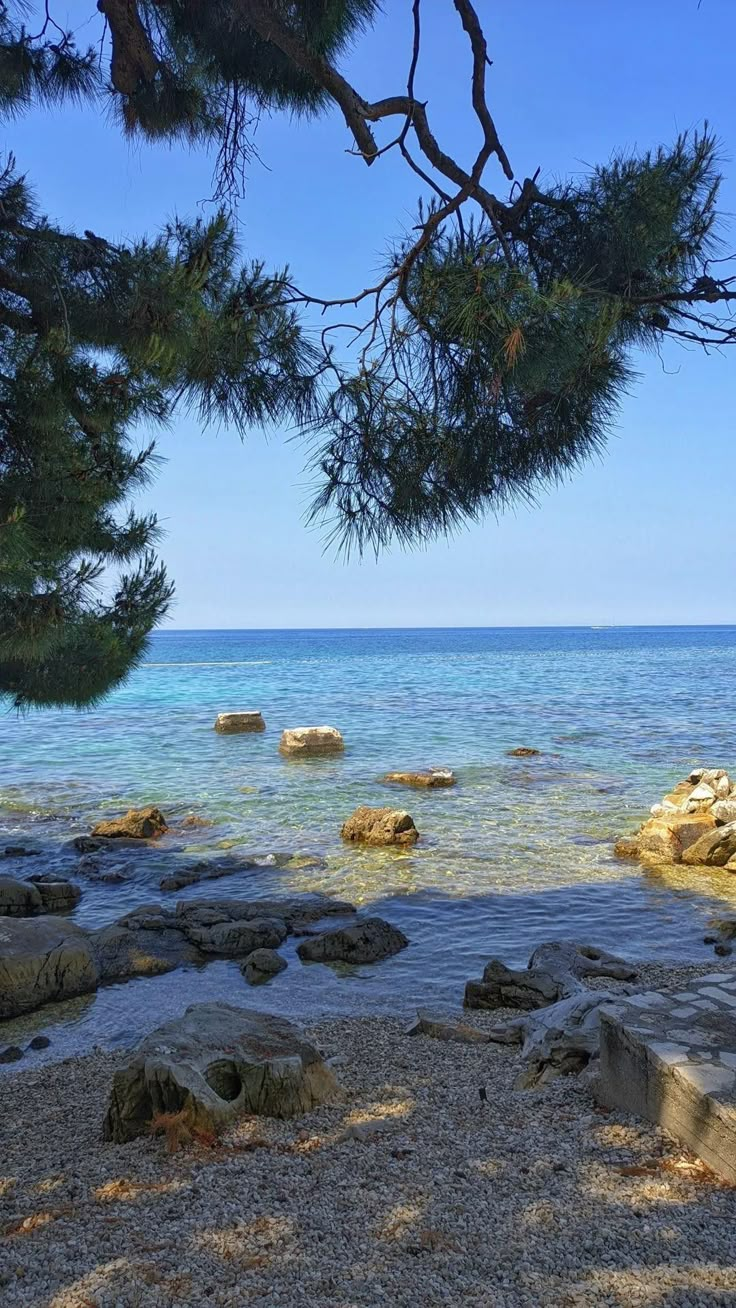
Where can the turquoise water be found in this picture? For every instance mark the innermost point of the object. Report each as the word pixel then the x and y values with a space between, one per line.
pixel 519 851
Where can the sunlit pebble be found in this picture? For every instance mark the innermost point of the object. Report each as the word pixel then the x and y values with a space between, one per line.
pixel 517 1203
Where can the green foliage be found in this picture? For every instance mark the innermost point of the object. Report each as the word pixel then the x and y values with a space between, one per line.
pixel 508 360
pixel 96 341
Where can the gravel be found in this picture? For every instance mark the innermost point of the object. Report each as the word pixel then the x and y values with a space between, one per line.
pixel 411 1193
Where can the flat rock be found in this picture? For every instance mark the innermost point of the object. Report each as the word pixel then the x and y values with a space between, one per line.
pixel 294 910
pixel 446 1026
pixel 380 826
pixel 136 824
pixel 42 959
pixel 229 724
pixel 261 965
pixel 670 1057
pixel 432 779
pixel 236 939
pixel 213 1065
pixel 19 898
pixel 204 870
pixel 311 742
pixel 367 941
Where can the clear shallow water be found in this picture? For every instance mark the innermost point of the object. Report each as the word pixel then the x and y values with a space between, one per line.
pixel 519 851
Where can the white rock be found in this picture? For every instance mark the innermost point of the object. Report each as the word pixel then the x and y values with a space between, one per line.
pixel 305 742
pixel 723 786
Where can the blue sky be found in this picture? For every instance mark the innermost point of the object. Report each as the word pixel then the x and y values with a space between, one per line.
pixel 643 536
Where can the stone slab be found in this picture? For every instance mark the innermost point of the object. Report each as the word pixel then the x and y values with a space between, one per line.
pixel 681 1077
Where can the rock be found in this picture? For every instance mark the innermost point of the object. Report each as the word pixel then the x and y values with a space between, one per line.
pixel 443 1026
pixel 723 787
pixel 523 751
pixel 19 851
pixel 627 847
pixel 665 838
pixel 122 951
pixel 311 742
pixel 432 779
pixel 86 845
pixel 136 824
pixel 58 895
pixel 205 870
pixel 724 810
pixel 232 723
pixel 702 792
pixel 562 1039
pixel 42 959
pixel 695 775
pixel 11 1054
pixel 365 942
pixel 192 821
pixel 380 826
pixel 294 911
pixel 39 1042
pixel 215 1064
pixel 115 875
pixel 261 965
pixel 236 939
pixel 556 971
pixel 714 849
pixel 19 898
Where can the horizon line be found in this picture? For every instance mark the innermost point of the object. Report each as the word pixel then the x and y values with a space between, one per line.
pixel 509 626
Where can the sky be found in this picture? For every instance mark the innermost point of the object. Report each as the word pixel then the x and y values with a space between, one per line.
pixel 642 536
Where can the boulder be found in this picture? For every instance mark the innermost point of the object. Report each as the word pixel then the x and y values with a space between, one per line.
pixel 19 898
pixel 714 849
pixel 627 847
pixel 261 965
pixel 145 942
pixel 311 742
pixel 556 971
pixel 136 824
pixel 294 911
pixel 432 779
pixel 523 751
pixel 506 987
pixel 724 810
pixel 213 1065
pixel 43 959
pixel 236 939
pixel 665 838
pixel 380 826
pixel 58 895
pixel 229 724
pixel 364 942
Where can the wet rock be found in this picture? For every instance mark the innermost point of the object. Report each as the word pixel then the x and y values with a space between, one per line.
pixel 627 847
pixel 193 822
pixel 432 779
pixel 11 1054
pixel 213 1065
pixel 42 959
pixel 86 845
pixel 665 839
pixel 39 1042
pixel 523 751
pixel 295 911
pixel 714 849
pixel 140 947
pixel 380 826
pixel 58 894
pixel 261 965
pixel 229 724
pixel 367 941
pixel 237 939
pixel 205 870
pixel 19 898
pixel 19 851
pixel 311 742
pixel 137 824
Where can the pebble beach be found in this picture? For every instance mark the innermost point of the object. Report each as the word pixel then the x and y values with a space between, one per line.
pixel 412 1189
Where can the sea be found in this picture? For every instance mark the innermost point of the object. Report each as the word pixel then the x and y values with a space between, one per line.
pixel 518 852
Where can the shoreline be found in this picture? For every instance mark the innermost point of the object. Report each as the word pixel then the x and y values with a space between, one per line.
pixel 410 1191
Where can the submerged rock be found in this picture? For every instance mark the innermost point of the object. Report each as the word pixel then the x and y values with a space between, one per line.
pixel 42 959
pixel 234 723
pixel 213 1065
pixel 137 824
pixel 261 965
pixel 432 779
pixel 380 826
pixel 205 870
pixel 311 742
pixel 523 751
pixel 367 941
pixel 11 1054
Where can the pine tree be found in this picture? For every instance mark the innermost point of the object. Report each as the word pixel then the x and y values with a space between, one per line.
pixel 489 358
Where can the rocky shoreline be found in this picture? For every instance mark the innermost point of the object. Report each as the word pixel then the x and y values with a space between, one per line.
pixel 431 1180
